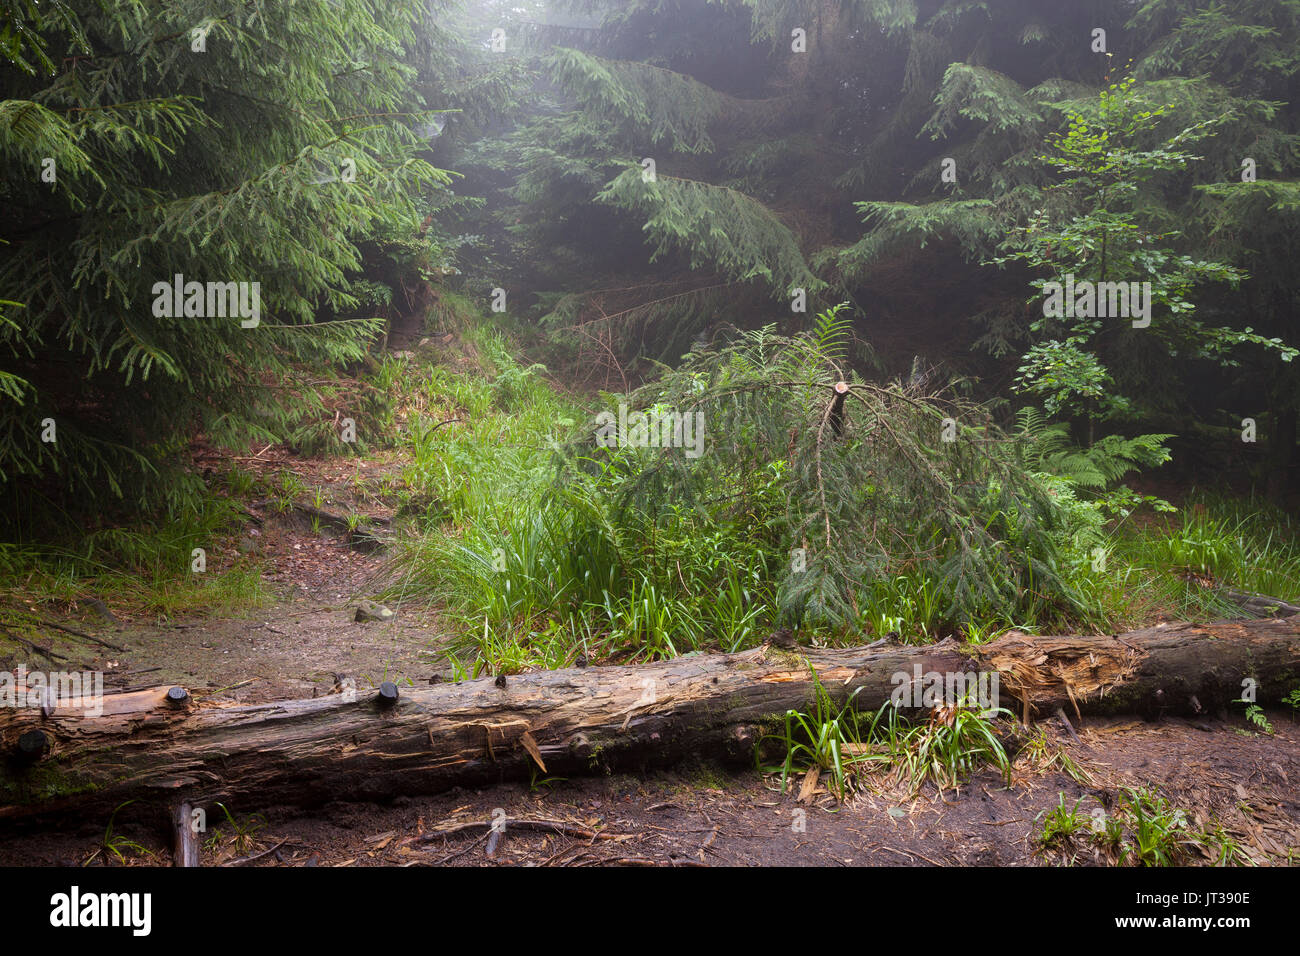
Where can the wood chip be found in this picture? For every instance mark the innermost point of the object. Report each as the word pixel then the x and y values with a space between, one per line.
pixel 533 750
pixel 809 785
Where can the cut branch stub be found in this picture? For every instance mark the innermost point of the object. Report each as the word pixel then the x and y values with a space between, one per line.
pixel 836 413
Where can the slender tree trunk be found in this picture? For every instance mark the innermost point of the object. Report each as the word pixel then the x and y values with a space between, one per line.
pixel 1281 447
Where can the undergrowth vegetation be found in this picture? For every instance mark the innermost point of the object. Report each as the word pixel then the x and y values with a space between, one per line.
pixel 147 566
pixel 1142 829
pixel 547 542
pixel 887 750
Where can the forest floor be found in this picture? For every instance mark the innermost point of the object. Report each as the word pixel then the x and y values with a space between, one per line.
pixel 295 644
pixel 1221 773
pixel 1217 773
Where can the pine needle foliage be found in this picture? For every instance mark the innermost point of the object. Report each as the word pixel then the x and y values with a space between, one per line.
pixel 717 226
pixel 262 142
pixel 661 105
pixel 848 495
pixel 897 226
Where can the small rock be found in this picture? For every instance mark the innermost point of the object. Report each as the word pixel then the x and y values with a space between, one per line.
pixel 783 638
pixel 101 609
pixel 370 611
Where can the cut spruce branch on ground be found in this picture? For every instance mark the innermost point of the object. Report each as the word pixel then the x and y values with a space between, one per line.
pixel 589 720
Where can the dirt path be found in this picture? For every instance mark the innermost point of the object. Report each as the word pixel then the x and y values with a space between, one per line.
pixel 295 644
pixel 293 649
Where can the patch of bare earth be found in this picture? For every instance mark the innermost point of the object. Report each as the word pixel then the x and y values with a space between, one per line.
pixel 296 645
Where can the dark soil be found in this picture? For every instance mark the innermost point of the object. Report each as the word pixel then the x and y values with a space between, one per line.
pixel 1218 774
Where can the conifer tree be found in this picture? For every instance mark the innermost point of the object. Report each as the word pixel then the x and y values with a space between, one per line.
pixel 257 142
pixel 1224 70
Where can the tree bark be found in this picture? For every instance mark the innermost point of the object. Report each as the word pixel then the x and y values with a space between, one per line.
pixel 185 844
pixel 574 721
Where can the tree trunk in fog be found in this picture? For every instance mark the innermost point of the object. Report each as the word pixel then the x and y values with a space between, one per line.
pixel 1281 447
pixel 592 720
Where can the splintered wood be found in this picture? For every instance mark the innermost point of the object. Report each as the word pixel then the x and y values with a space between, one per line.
pixel 1037 670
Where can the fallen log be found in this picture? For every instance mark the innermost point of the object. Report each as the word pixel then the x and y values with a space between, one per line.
pixel 162 749
pixel 1259 605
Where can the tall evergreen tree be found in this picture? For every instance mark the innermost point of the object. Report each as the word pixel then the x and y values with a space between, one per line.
pixel 776 127
pixel 256 142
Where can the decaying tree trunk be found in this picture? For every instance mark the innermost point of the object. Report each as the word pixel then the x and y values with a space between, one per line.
pixel 1259 605
pixel 422 739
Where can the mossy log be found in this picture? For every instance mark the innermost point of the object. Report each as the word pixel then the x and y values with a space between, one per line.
pixel 580 720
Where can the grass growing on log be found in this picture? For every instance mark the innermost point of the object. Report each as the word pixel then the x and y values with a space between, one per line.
pixel 828 738
pixel 958 740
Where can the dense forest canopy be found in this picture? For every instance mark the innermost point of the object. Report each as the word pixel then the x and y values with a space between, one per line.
pixel 212 213
pixel 930 163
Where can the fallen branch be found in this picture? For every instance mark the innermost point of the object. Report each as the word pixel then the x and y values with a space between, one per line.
pixel 253 857
pixel 459 853
pixel 516 823
pixel 82 634
pixel 1260 605
pixel 48 652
